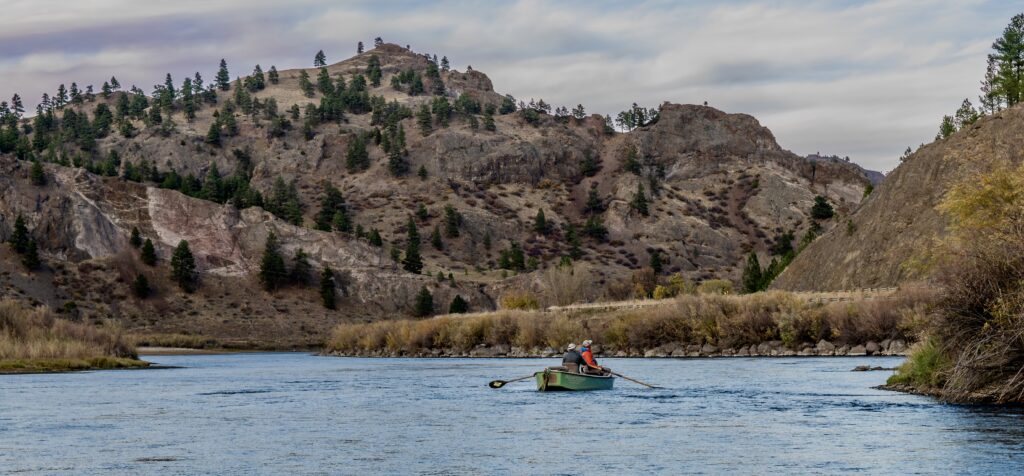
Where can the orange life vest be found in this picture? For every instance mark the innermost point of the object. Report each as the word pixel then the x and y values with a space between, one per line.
pixel 588 357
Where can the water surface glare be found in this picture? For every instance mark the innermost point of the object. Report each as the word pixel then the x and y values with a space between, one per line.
pixel 274 413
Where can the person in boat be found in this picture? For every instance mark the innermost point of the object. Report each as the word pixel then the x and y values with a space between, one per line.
pixel 589 364
pixel 572 360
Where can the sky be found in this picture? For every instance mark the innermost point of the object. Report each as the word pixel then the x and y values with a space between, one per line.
pixel 863 79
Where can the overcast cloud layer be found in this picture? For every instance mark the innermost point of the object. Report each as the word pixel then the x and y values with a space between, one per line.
pixel 864 79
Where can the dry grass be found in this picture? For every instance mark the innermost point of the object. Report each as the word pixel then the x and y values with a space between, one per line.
pixel 725 321
pixel 33 339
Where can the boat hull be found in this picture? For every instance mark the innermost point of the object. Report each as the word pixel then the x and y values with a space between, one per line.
pixel 556 380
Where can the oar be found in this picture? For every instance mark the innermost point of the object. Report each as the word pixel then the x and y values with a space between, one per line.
pixel 632 379
pixel 501 383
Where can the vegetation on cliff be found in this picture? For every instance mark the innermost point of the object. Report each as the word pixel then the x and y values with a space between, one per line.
pixel 34 340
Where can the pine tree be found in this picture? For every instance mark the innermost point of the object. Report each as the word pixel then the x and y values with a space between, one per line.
pixel 412 262
pixel 213 134
pixel 331 203
pixel 273 273
pixel 19 237
pixel 272 75
pixel 452 221
pixel 359 48
pixel 422 172
pixel 489 122
pixel 656 263
pixel 223 79
pixel 540 223
pixel 301 269
pixel 320 59
pixel 148 253
pixel 327 285
pixel 946 128
pixel 424 120
pixel 375 239
pixel 458 306
pixel 36 174
pixel 752 274
pixel 213 186
pixel 1009 59
pixel 632 163
pixel 821 210
pixel 356 157
pixel 594 203
pixel 435 238
pixel 140 286
pixel 16 106
pixel 578 112
pixel 136 238
pixel 61 98
pixel 424 303
pixel 183 267
pixel 304 83
pixel 572 237
pixel 639 202
pixel 324 83
pixel 30 259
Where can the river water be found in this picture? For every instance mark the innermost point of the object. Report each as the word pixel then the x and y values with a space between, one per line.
pixel 276 413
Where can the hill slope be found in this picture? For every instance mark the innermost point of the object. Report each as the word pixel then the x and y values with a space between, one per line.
pixel 717 184
pixel 891 233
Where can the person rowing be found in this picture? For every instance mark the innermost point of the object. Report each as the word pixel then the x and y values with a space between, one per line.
pixel 589 364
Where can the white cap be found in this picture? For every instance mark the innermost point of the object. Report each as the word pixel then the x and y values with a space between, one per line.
pixel 571 347
pixel 587 343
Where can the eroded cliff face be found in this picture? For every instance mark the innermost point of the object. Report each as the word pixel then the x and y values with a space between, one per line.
pixel 84 222
pixel 890 235
pixel 718 184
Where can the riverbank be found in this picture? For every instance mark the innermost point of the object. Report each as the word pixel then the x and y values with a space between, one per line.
pixel 34 366
pixel 33 340
pixel 762 324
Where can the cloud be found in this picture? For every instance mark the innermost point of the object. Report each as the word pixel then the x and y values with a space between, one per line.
pixel 857 78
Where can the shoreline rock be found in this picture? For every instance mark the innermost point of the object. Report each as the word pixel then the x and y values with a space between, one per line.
pixel 675 350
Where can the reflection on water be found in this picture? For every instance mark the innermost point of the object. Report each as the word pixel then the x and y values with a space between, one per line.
pixel 296 413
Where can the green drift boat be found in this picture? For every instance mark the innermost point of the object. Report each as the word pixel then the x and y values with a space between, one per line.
pixel 552 380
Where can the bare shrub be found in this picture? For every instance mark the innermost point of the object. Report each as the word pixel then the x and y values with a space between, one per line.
pixel 519 299
pixel 564 285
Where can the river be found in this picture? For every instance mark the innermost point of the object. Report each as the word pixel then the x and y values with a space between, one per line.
pixel 290 413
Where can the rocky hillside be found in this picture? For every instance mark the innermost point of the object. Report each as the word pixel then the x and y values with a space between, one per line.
pixel 886 242
pixel 716 186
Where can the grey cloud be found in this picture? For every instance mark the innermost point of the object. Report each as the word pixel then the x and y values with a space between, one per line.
pixel 857 78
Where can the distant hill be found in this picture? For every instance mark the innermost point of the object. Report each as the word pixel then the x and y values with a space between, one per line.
pixel 874 176
pixel 716 186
